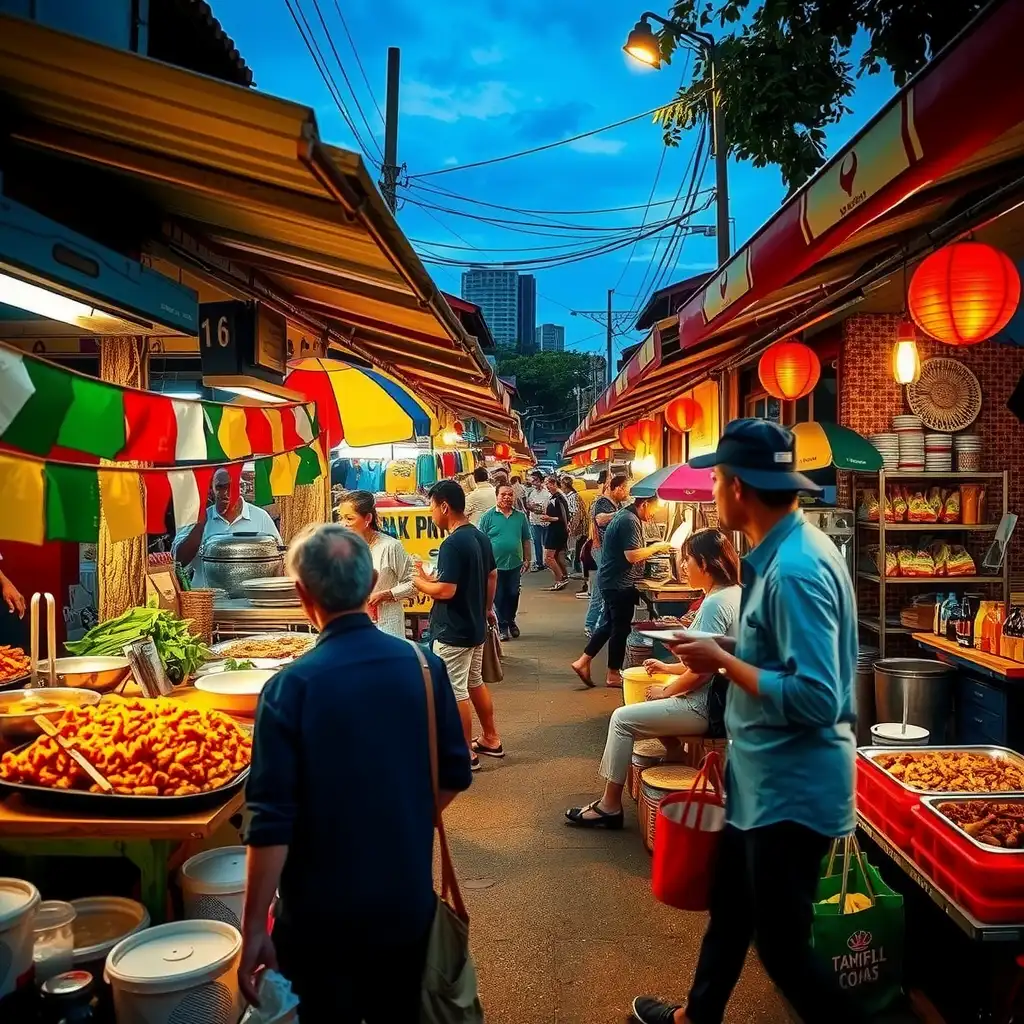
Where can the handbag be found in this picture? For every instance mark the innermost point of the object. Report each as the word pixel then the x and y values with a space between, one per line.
pixel 491 670
pixel 686 835
pixel 862 947
pixel 449 992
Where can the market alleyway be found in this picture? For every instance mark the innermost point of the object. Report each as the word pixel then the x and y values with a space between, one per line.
pixel 564 927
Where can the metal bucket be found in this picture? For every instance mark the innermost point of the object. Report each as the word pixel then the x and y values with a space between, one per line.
pixel 917 691
pixel 865 704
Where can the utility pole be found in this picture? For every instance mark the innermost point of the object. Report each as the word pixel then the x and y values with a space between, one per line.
pixel 389 169
pixel 608 337
pixel 609 321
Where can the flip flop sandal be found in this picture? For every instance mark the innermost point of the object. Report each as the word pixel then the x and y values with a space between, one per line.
pixel 478 748
pixel 584 677
pixel 574 816
pixel 474 763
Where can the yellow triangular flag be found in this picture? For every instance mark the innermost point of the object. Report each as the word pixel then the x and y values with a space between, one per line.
pixel 273 417
pixel 122 504
pixel 282 474
pixel 22 508
pixel 231 434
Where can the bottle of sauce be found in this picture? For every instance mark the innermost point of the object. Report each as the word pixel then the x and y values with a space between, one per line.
pixel 951 613
pixel 965 624
pixel 979 626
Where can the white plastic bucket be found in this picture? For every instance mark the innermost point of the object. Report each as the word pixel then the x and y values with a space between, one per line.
pixel 182 971
pixel 895 734
pixel 213 885
pixel 101 923
pixel 18 903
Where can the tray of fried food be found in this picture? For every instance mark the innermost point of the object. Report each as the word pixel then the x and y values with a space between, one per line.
pixel 14 665
pixel 276 647
pixel 996 826
pixel 975 769
pixel 161 756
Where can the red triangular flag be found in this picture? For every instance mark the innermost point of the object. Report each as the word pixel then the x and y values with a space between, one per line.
pixel 292 438
pixel 204 480
pixel 257 429
pixel 151 429
pixel 235 475
pixel 158 497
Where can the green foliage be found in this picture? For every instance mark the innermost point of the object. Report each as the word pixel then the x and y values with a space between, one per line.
pixel 785 70
pixel 547 379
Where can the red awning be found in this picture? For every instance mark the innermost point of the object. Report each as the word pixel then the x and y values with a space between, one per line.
pixel 936 142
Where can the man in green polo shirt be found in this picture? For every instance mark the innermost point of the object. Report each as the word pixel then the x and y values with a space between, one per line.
pixel 508 530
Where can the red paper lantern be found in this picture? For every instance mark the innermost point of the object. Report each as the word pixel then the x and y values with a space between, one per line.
pixel 648 432
pixel 629 436
pixel 789 370
pixel 580 461
pixel 601 454
pixel 964 293
pixel 682 414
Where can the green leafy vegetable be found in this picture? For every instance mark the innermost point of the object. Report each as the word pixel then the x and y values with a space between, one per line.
pixel 231 665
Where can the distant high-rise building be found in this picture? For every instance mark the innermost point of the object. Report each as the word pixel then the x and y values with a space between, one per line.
pixel 527 312
pixel 496 292
pixel 549 338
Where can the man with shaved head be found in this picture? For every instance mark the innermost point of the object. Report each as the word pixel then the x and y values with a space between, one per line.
pixel 228 513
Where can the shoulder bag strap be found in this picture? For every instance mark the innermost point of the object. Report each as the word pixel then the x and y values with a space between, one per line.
pixel 449 882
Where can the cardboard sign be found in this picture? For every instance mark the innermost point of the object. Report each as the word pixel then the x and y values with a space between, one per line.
pixel 162 582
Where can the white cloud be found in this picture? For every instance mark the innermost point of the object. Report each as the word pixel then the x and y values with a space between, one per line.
pixel 485 56
pixel 450 161
pixel 481 102
pixel 595 144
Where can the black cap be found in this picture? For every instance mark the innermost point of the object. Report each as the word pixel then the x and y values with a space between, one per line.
pixel 761 453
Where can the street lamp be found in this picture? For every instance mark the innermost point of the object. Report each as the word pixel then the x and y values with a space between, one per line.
pixel 642 45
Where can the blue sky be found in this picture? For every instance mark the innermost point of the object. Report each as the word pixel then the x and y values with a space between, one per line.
pixel 484 78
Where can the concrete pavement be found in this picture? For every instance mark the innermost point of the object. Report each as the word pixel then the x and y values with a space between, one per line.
pixel 564 928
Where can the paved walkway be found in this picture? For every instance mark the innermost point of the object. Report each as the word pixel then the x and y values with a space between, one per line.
pixel 564 927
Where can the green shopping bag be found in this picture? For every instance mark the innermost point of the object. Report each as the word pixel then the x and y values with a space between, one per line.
pixel 865 948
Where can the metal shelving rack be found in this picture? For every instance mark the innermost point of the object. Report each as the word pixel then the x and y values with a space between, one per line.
pixel 881 529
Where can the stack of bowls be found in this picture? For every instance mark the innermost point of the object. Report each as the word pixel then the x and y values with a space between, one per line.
pixel 938 453
pixel 888 446
pixel 911 442
pixel 968 453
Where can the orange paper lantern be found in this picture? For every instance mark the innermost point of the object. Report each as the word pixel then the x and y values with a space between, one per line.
pixel 629 435
pixel 602 453
pixel 682 414
pixel 789 370
pixel 579 460
pixel 649 432
pixel 964 293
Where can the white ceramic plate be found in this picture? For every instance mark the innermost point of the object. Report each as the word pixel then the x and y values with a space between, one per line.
pixel 212 667
pixel 678 635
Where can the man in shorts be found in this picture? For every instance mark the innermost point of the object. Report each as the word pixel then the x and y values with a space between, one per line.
pixel 463 591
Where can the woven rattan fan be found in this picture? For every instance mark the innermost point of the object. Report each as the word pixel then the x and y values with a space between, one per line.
pixel 947 396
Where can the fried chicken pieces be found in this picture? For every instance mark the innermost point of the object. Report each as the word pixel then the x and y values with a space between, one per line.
pixel 994 824
pixel 954 772
pixel 143 747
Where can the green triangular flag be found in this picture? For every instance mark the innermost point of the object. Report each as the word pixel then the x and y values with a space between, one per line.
pixel 72 503
pixel 35 427
pixel 211 425
pixel 309 465
pixel 262 492
pixel 95 421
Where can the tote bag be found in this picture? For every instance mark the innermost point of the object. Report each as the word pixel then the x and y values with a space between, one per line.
pixel 864 949
pixel 491 670
pixel 686 834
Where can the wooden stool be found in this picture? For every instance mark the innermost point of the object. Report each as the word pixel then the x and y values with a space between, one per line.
pixel 646 754
pixel 656 784
pixel 698 747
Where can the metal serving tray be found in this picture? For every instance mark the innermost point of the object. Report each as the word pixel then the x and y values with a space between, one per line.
pixel 996 753
pixel 933 803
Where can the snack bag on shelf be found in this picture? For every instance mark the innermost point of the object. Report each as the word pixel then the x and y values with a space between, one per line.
pixel 934 501
pixel 892 567
pixel 867 510
pixel 905 561
pixel 889 512
pixel 918 510
pixel 950 507
pixel 899 506
pixel 960 562
pixel 939 552
pixel 924 563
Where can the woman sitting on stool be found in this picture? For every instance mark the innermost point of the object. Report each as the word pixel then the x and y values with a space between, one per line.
pixel 681 707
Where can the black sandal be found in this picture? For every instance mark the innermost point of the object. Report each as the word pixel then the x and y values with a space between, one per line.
pixel 574 816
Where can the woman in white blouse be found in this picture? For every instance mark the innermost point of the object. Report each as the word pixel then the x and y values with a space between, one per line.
pixel 394 566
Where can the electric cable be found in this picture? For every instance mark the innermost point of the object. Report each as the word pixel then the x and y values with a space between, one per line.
pixel 359 63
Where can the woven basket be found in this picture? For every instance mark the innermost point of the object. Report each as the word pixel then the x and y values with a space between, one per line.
pixel 646 754
pixel 656 784
pixel 697 749
pixel 947 396
pixel 197 606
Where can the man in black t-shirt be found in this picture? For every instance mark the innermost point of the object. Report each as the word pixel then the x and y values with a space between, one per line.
pixel 463 594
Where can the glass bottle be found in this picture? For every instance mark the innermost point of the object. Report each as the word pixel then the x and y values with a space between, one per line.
pixel 965 624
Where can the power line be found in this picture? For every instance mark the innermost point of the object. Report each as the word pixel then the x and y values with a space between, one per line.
pixel 538 149
pixel 355 53
pixel 657 178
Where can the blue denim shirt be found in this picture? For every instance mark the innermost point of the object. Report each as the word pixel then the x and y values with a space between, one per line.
pixel 791 748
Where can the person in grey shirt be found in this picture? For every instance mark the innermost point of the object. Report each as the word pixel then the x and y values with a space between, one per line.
pixel 682 707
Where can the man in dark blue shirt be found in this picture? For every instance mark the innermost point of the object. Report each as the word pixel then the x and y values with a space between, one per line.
pixel 345 833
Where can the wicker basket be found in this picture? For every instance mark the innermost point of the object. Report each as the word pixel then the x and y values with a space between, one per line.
pixel 646 754
pixel 197 606
pixel 947 395
pixel 656 784
pixel 697 748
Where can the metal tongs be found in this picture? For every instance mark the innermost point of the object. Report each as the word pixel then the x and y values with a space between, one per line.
pixel 51 640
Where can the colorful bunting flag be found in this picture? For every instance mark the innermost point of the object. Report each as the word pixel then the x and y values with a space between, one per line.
pixel 232 434
pixel 189 437
pixel 121 499
pixel 282 474
pixel 189 491
pixel 39 398
pixel 22 513
pixel 262 493
pixel 72 503
pixel 95 421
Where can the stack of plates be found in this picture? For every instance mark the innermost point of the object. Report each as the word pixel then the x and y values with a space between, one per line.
pixel 888 446
pixel 911 441
pixel 938 453
pixel 968 452
pixel 866 656
pixel 271 592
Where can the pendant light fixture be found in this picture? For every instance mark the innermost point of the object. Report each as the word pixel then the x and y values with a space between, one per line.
pixel 906 360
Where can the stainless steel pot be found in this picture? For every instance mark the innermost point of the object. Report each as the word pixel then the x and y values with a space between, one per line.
pixel 920 689
pixel 230 560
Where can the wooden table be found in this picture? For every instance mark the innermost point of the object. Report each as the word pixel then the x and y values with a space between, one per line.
pixel 149 843
pixel 988 664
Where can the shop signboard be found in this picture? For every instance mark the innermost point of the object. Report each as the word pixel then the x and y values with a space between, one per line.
pixel 241 339
pixel 420 538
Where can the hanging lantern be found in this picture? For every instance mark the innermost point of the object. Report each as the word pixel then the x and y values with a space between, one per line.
pixel 789 370
pixel 458 427
pixel 964 293
pixel 629 435
pixel 682 414
pixel 601 454
pixel 906 361
pixel 649 432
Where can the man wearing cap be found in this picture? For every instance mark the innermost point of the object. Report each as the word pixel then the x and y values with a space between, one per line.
pixel 790 719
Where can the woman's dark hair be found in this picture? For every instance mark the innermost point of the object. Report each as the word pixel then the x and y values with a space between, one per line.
pixel 363 502
pixel 714 553
pixel 448 492
pixel 617 481
pixel 480 475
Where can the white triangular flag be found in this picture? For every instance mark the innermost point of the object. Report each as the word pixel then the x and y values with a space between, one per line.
pixel 185 497
pixel 190 443
pixel 16 387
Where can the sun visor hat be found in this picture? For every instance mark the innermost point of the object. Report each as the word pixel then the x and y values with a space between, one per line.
pixel 761 453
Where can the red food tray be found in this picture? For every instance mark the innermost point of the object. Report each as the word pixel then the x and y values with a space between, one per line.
pixel 886 803
pixel 988 885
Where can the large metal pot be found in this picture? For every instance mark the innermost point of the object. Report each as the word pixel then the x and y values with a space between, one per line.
pixel 925 686
pixel 230 560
